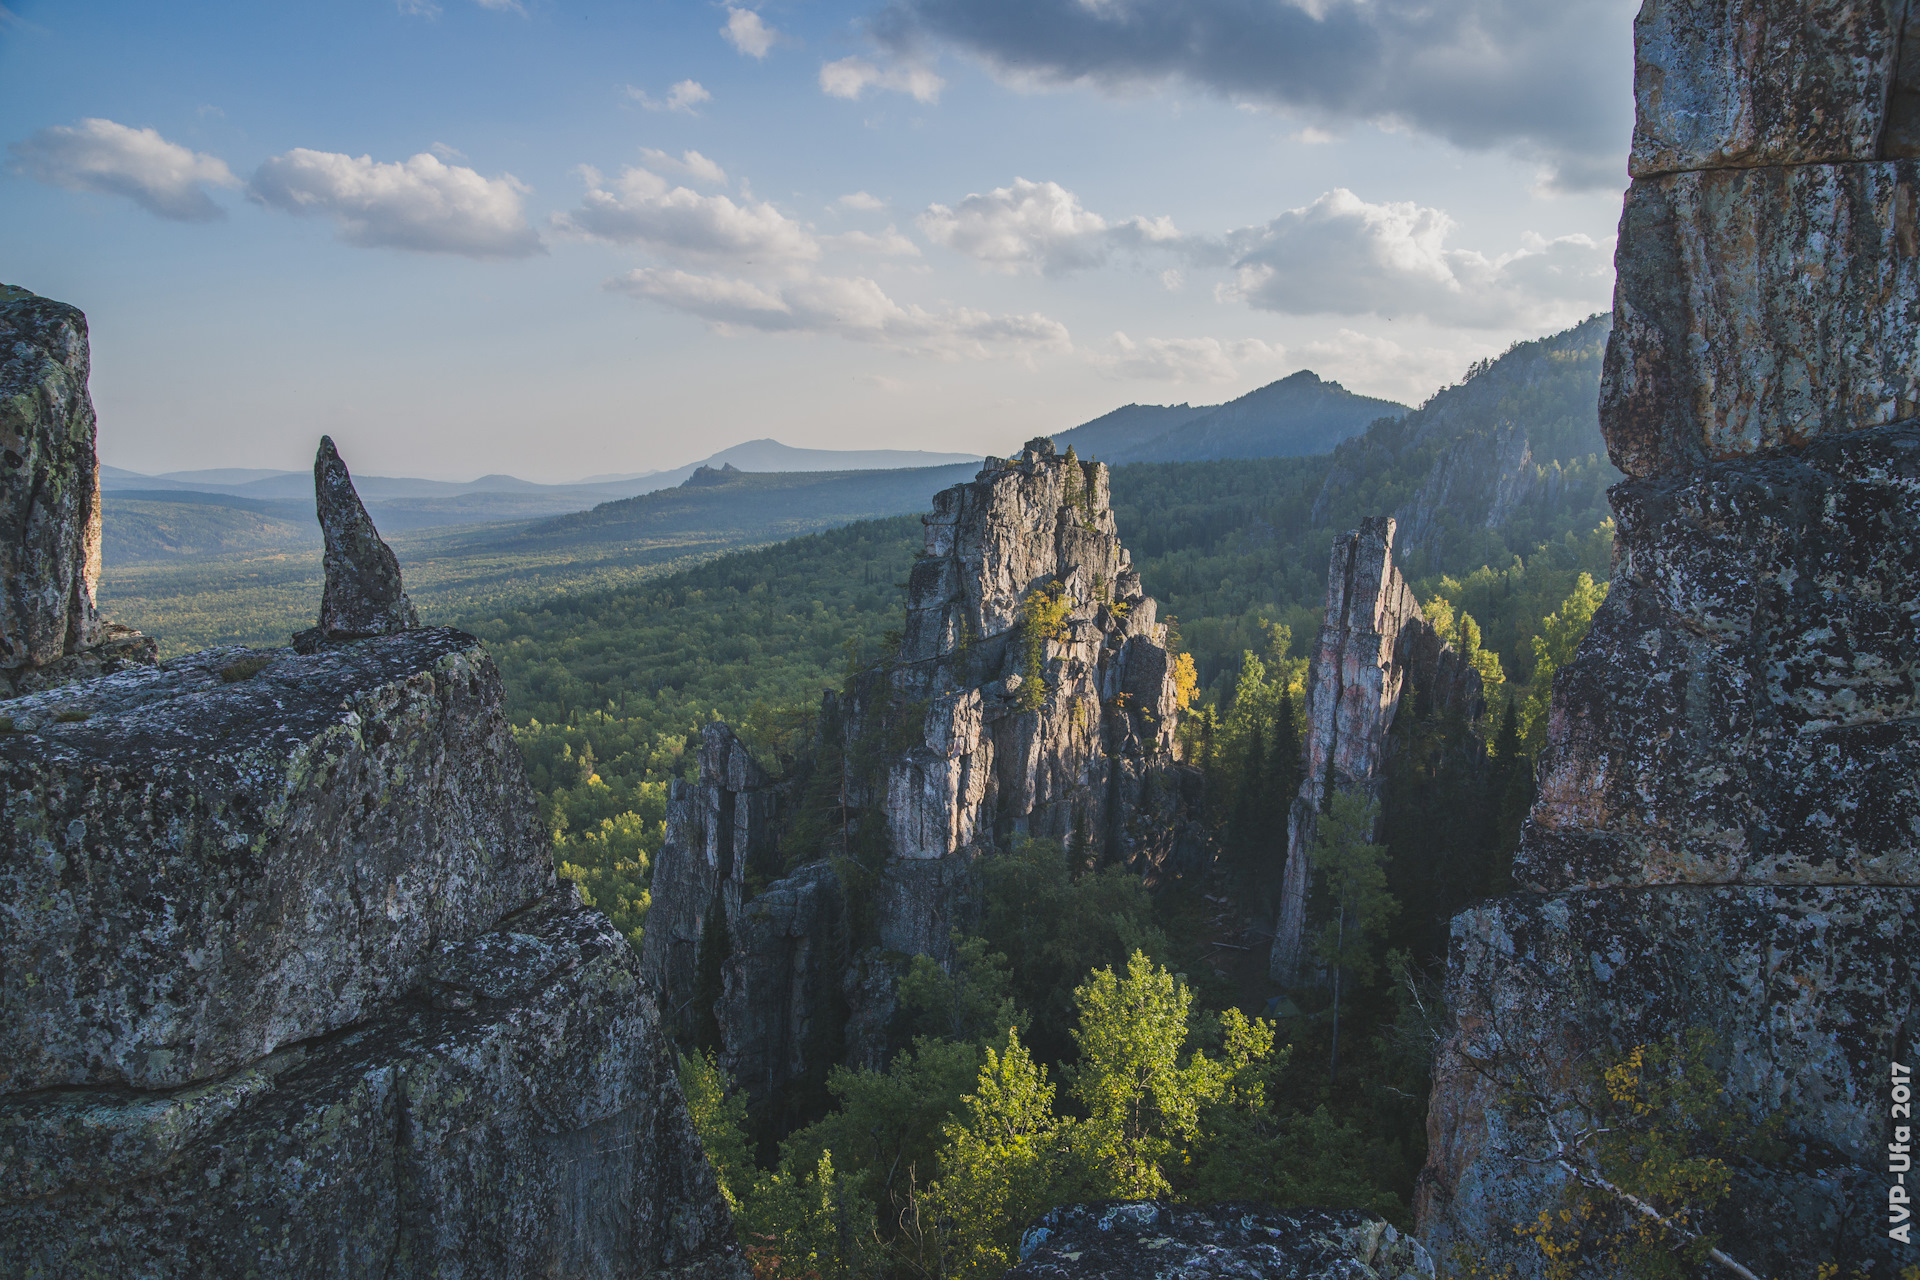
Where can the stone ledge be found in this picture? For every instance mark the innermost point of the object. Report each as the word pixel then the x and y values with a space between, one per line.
pixel 538 1130
pixel 1147 1240
pixel 207 860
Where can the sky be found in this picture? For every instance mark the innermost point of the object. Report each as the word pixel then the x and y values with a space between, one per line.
pixel 562 238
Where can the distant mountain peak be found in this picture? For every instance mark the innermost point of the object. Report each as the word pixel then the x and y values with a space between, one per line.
pixel 705 475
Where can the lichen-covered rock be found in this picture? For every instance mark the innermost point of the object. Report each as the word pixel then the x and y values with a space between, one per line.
pixel 1146 1240
pixel 50 628
pixel 363 595
pixel 518 1117
pixel 1806 991
pixel 1373 641
pixel 1745 709
pixel 205 861
pixel 1742 83
pixel 988 760
pixel 1762 309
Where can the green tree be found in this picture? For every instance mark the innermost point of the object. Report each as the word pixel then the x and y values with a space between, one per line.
pixel 1560 635
pixel 720 1118
pixel 1003 1162
pixel 969 1001
pixel 1353 870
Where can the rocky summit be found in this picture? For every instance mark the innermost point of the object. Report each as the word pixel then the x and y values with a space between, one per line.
pixel 1031 695
pixel 1723 843
pixel 288 986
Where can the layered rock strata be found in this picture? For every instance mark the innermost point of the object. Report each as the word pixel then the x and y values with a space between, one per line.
pixel 1729 800
pixel 1146 1240
pixel 50 625
pixel 288 987
pixel 1374 644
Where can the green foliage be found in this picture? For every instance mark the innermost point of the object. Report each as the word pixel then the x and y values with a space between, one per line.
pixel 720 1118
pixel 971 1000
pixel 1352 870
pixel 1560 634
pixel 1043 617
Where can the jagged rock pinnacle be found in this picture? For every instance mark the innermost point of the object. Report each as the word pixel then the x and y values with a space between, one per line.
pixel 364 595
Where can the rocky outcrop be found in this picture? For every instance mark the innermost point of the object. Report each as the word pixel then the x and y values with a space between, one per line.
pixel 1728 798
pixel 1374 645
pixel 50 625
pixel 1032 695
pixel 1145 1240
pixel 363 595
pixel 288 987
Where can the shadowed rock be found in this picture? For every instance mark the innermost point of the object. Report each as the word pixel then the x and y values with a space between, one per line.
pixel 364 595
pixel 1147 1240
pixel 50 629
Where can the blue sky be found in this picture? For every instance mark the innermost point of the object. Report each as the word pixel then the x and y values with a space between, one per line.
pixel 564 237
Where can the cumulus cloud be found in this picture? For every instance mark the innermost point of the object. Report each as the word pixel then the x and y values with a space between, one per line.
pixel 747 32
pixel 691 163
pixel 642 208
pixel 1037 226
pixel 682 97
pixel 1341 255
pixel 1183 359
pixel 164 178
pixel 888 244
pixel 850 307
pixel 851 77
pixel 1548 81
pixel 862 201
pixel 420 204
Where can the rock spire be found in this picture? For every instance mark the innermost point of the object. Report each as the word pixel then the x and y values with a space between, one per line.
pixel 1729 795
pixel 363 595
pixel 1373 643
pixel 50 625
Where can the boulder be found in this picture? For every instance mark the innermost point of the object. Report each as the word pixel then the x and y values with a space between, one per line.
pixel 364 595
pixel 1146 1240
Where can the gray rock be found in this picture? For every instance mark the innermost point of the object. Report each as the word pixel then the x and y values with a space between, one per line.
pixel 363 595
pixel 199 869
pixel 1762 309
pixel 1744 83
pixel 1807 990
pixel 1146 1240
pixel 778 1010
pixel 530 1124
pixel 1373 641
pixel 50 627
pixel 1745 707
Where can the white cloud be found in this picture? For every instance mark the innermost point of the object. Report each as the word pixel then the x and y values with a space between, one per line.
pixel 1341 255
pixel 1173 280
pixel 888 244
pixel 850 77
pixel 641 208
pixel 420 204
pixel 1184 359
pixel 682 97
pixel 850 307
pixel 691 163
pixel 164 178
pixel 861 200
pixel 1380 366
pixel 1037 226
pixel 746 32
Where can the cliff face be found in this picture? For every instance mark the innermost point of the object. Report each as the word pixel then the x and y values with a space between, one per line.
pixel 1373 644
pixel 288 988
pixel 1725 832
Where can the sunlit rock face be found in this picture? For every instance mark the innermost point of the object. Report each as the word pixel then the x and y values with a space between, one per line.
pixel 288 986
pixel 1729 802
pixel 50 626
pixel 1374 644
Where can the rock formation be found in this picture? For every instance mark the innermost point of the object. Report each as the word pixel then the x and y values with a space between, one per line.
pixel 288 987
pixel 50 626
pixel 1145 1240
pixel 1373 642
pixel 1729 801
pixel 363 595
pixel 1031 694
